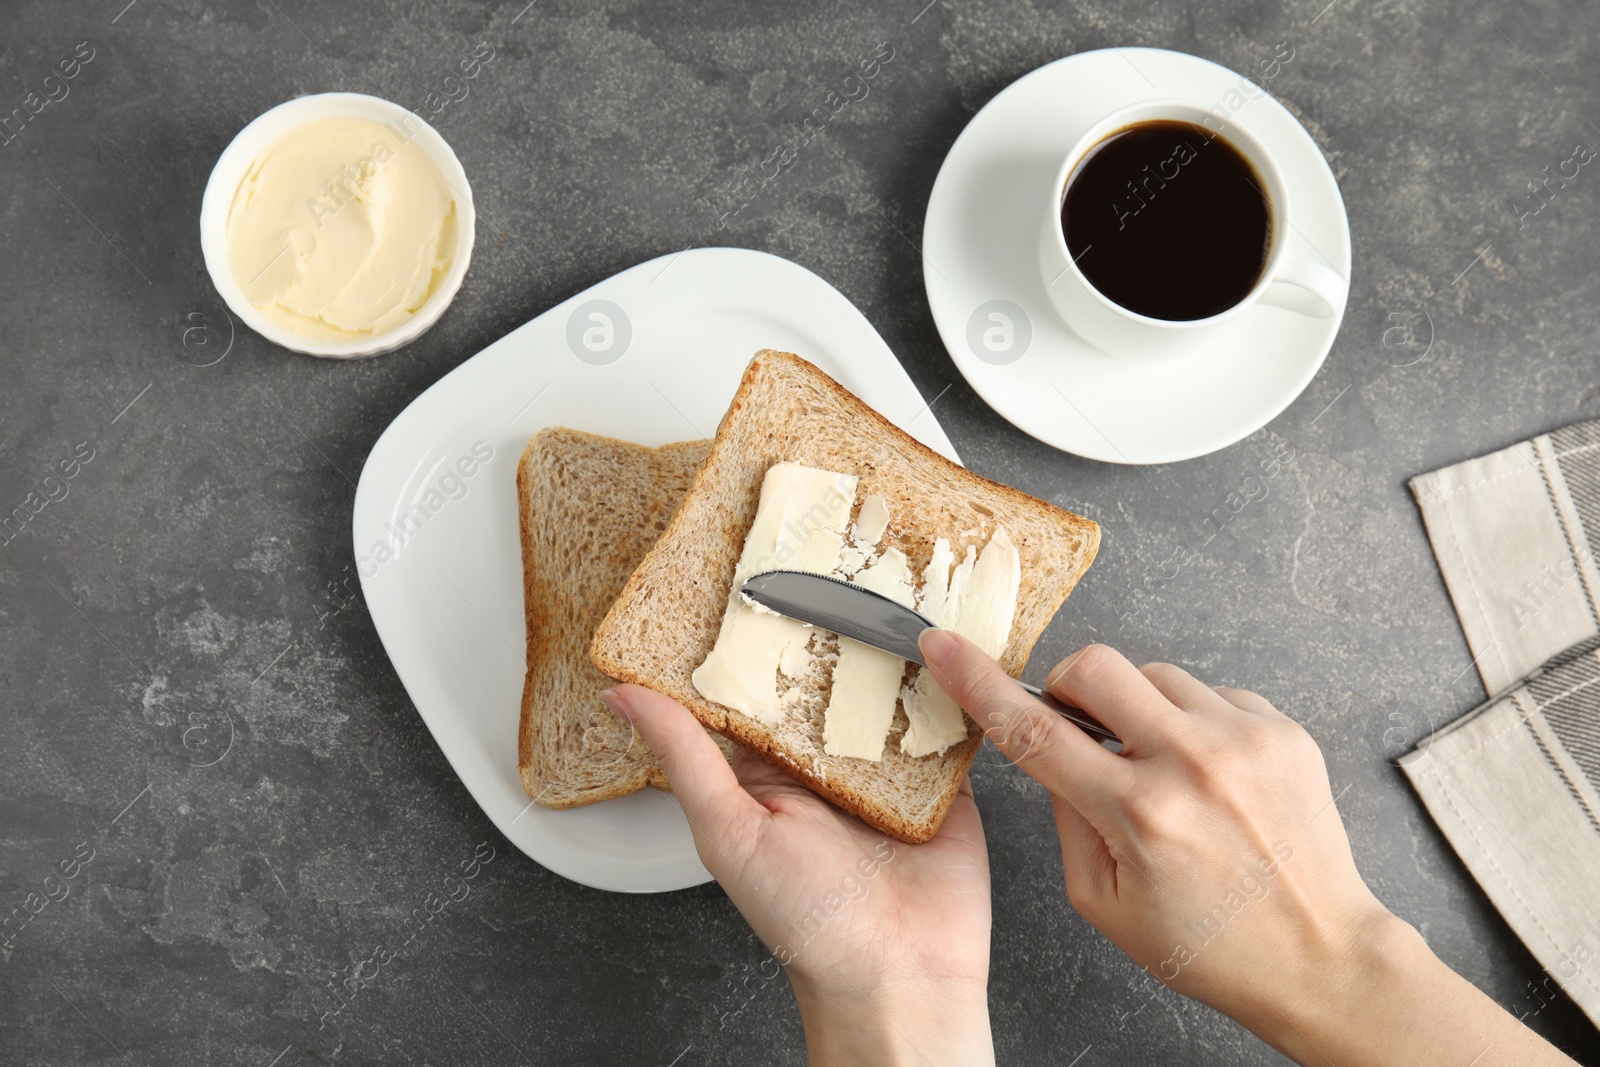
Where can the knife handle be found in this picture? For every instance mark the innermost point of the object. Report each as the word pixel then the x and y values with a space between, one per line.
pixel 1082 719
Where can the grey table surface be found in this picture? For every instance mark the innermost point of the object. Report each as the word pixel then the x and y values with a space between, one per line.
pixel 188 568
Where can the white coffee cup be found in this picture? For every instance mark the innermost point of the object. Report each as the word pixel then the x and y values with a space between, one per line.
pixel 1297 284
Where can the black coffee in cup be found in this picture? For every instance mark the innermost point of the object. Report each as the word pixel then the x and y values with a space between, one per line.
pixel 1168 219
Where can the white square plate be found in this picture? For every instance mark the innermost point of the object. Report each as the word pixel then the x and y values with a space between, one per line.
pixel 651 355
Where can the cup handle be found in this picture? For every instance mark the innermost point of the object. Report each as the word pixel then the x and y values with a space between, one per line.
pixel 1325 285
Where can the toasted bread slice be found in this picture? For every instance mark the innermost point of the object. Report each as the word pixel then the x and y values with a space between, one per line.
pixel 668 615
pixel 590 508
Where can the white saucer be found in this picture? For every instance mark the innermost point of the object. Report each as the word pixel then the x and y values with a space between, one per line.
pixel 651 355
pixel 978 248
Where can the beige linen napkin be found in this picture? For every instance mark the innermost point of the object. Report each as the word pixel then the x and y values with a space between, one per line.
pixel 1515 784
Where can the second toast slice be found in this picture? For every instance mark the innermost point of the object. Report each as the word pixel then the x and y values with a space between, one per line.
pixel 590 508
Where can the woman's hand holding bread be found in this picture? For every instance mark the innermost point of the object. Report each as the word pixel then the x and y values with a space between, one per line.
pixel 885 944
pixel 1210 850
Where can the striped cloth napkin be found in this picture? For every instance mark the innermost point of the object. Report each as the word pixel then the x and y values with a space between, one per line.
pixel 1515 783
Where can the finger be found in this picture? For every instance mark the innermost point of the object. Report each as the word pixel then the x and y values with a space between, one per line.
pixel 1182 688
pixel 1101 681
pixel 1057 754
pixel 706 787
pixel 1086 863
pixel 1245 700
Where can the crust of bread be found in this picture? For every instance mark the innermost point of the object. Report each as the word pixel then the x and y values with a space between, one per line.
pixel 668 614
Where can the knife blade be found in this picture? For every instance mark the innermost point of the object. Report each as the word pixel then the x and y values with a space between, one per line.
pixel 867 616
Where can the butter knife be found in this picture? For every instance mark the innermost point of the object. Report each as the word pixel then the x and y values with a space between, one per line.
pixel 873 619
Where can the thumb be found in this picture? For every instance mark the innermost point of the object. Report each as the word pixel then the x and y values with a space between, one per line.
pixel 716 805
pixel 1061 757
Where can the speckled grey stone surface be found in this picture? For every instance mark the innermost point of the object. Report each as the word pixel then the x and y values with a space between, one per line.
pixel 183 579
